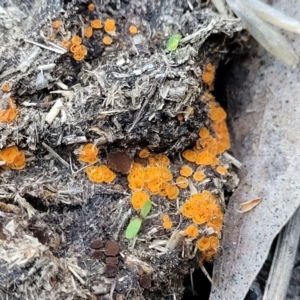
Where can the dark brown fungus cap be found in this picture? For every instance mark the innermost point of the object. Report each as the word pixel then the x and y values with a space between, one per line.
pixel 111 260
pixel 111 271
pixel 99 255
pixel 112 248
pixel 97 244
pixel 145 281
pixel 120 161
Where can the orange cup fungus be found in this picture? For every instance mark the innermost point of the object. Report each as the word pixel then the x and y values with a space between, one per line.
pixel 66 44
pixel 182 182
pixel 198 176
pixel 133 29
pixel 144 153
pixel 107 40
pixel 56 24
pixel 204 158
pixel 208 75
pixel 191 231
pixel 167 223
pixel 6 87
pixel 189 155
pixel 89 154
pixel 221 170
pixel 14 158
pixel 91 7
pixel 110 26
pixel 172 191
pixel 208 247
pixel 138 199
pixel 9 114
pixel 186 171
pixel 201 208
pixel 204 133
pixel 101 174
pixel 96 24
pixel 76 40
pixel 88 32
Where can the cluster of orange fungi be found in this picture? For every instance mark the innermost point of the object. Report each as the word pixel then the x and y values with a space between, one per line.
pixel 13 158
pixel 74 45
pixel 97 174
pixel 9 114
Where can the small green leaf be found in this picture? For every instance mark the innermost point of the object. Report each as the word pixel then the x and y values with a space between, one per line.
pixel 133 228
pixel 146 208
pixel 173 42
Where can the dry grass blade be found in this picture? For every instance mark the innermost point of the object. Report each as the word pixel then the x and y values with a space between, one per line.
pixel 249 205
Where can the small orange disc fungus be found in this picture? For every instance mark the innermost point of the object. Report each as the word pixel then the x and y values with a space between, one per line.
pixel 76 40
pixel 78 56
pixel 8 154
pixel 189 155
pixel 110 26
pixel 88 32
pixel 221 170
pixel 204 133
pixel 133 29
pixel 74 48
pixel 56 24
pixel 182 182
pixel 167 223
pixel 198 176
pixel 66 44
pixel 96 24
pixel 172 191
pixel 186 171
pixel 8 115
pixel 144 153
pixel 89 154
pixel 6 87
pixel 91 7
pixel 19 162
pixel 138 199
pixel 204 158
pixel 107 40
pixel 191 231
pixel 203 244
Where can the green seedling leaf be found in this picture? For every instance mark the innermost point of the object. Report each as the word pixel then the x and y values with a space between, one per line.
pixel 133 228
pixel 146 208
pixel 173 42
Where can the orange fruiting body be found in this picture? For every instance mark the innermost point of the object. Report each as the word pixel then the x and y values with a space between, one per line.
pixel 14 158
pixel 100 174
pixel 221 170
pixel 191 231
pixel 203 244
pixel 89 154
pixel 8 154
pixel 56 24
pixel 133 29
pixel 76 40
pixel 78 55
pixel 182 182
pixel 91 7
pixel 204 158
pixel 88 32
pixel 96 24
pixel 107 40
pixel 8 115
pixel 74 48
pixel 110 26
pixel 138 199
pixel 66 44
pixel 208 75
pixel 204 132
pixel 189 155
pixel 167 223
pixel 186 171
pixel 144 153
pixel 6 87
pixel 172 191
pixel 198 176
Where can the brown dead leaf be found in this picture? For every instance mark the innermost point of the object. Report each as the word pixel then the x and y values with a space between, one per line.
pixel 248 205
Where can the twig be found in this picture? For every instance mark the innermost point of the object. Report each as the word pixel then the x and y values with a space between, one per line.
pixel 45 47
pixel 54 154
